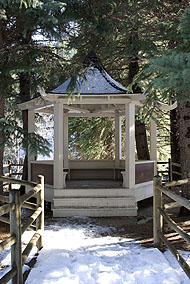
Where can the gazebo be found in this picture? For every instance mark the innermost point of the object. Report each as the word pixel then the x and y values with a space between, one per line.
pixel 93 187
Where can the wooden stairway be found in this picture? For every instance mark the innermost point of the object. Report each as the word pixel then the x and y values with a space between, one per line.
pixel 94 202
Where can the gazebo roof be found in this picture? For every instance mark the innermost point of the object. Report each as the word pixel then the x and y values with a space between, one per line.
pixel 99 93
pixel 95 80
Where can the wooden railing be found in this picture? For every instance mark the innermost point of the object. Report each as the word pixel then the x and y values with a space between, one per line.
pixel 160 215
pixel 14 204
pixel 9 171
pixel 10 167
pixel 172 169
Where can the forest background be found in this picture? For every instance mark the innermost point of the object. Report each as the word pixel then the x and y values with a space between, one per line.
pixel 144 45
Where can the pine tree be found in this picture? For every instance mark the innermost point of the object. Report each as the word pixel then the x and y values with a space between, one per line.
pixel 23 59
pixel 171 72
pixel 125 34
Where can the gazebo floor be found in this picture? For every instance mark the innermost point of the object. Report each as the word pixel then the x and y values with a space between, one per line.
pixel 82 184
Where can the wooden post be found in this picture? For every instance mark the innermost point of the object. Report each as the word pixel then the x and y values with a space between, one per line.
pixel 9 171
pixel 15 230
pixel 31 128
pixel 129 180
pixel 65 142
pixel 40 203
pixel 117 140
pixel 157 217
pixel 170 169
pixel 58 146
pixel 153 144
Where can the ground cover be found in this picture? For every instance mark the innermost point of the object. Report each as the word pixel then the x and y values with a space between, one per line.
pixel 102 250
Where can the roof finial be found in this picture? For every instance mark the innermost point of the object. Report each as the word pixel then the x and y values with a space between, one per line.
pixel 93 60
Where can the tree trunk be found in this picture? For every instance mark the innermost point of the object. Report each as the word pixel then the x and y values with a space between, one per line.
pixel 140 129
pixel 174 139
pixel 141 141
pixel 25 96
pixel 1 142
pixel 184 138
pixel 2 102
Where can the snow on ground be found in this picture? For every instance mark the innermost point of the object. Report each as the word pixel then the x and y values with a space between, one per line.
pixel 78 252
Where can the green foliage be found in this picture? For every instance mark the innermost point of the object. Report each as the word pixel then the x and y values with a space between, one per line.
pixel 14 135
pixel 171 71
pixel 120 32
pixel 91 138
pixel 28 29
pixel 125 35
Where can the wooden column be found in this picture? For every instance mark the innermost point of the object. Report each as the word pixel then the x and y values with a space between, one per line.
pixel 118 153
pixel 153 144
pixel 31 128
pixel 157 217
pixel 65 142
pixel 58 145
pixel 40 203
pixel 129 180
pixel 15 230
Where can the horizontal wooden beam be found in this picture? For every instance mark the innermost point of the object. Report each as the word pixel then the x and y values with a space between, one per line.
pixel 17 181
pixel 4 199
pixel 174 226
pixel 29 194
pixel 178 182
pixel 30 245
pixel 5 220
pixel 29 205
pixel 103 114
pixel 45 110
pixel 15 174
pixel 181 200
pixel 8 276
pixel 178 256
pixel 31 219
pixel 6 208
pixel 92 101
pixel 72 107
pixel 171 205
pixel 7 243
pixel 111 108
pixel 16 165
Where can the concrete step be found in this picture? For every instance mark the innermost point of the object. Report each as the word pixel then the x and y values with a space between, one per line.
pixel 94 192
pixel 94 212
pixel 94 202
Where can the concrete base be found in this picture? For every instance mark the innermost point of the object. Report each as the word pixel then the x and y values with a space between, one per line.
pixel 144 190
pixel 94 202
pixel 98 202
pixel 95 212
pixel 87 200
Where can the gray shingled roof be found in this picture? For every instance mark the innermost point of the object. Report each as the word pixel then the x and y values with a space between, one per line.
pixel 96 81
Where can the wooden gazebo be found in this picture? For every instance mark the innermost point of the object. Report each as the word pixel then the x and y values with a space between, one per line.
pixel 93 187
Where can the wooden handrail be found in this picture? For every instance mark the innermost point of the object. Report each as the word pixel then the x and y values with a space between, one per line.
pixel 174 226
pixel 17 181
pixel 178 256
pixel 178 182
pixel 6 208
pixel 8 276
pixel 7 243
pixel 13 206
pixel 160 215
pixel 31 219
pixel 26 204
pixel 181 200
